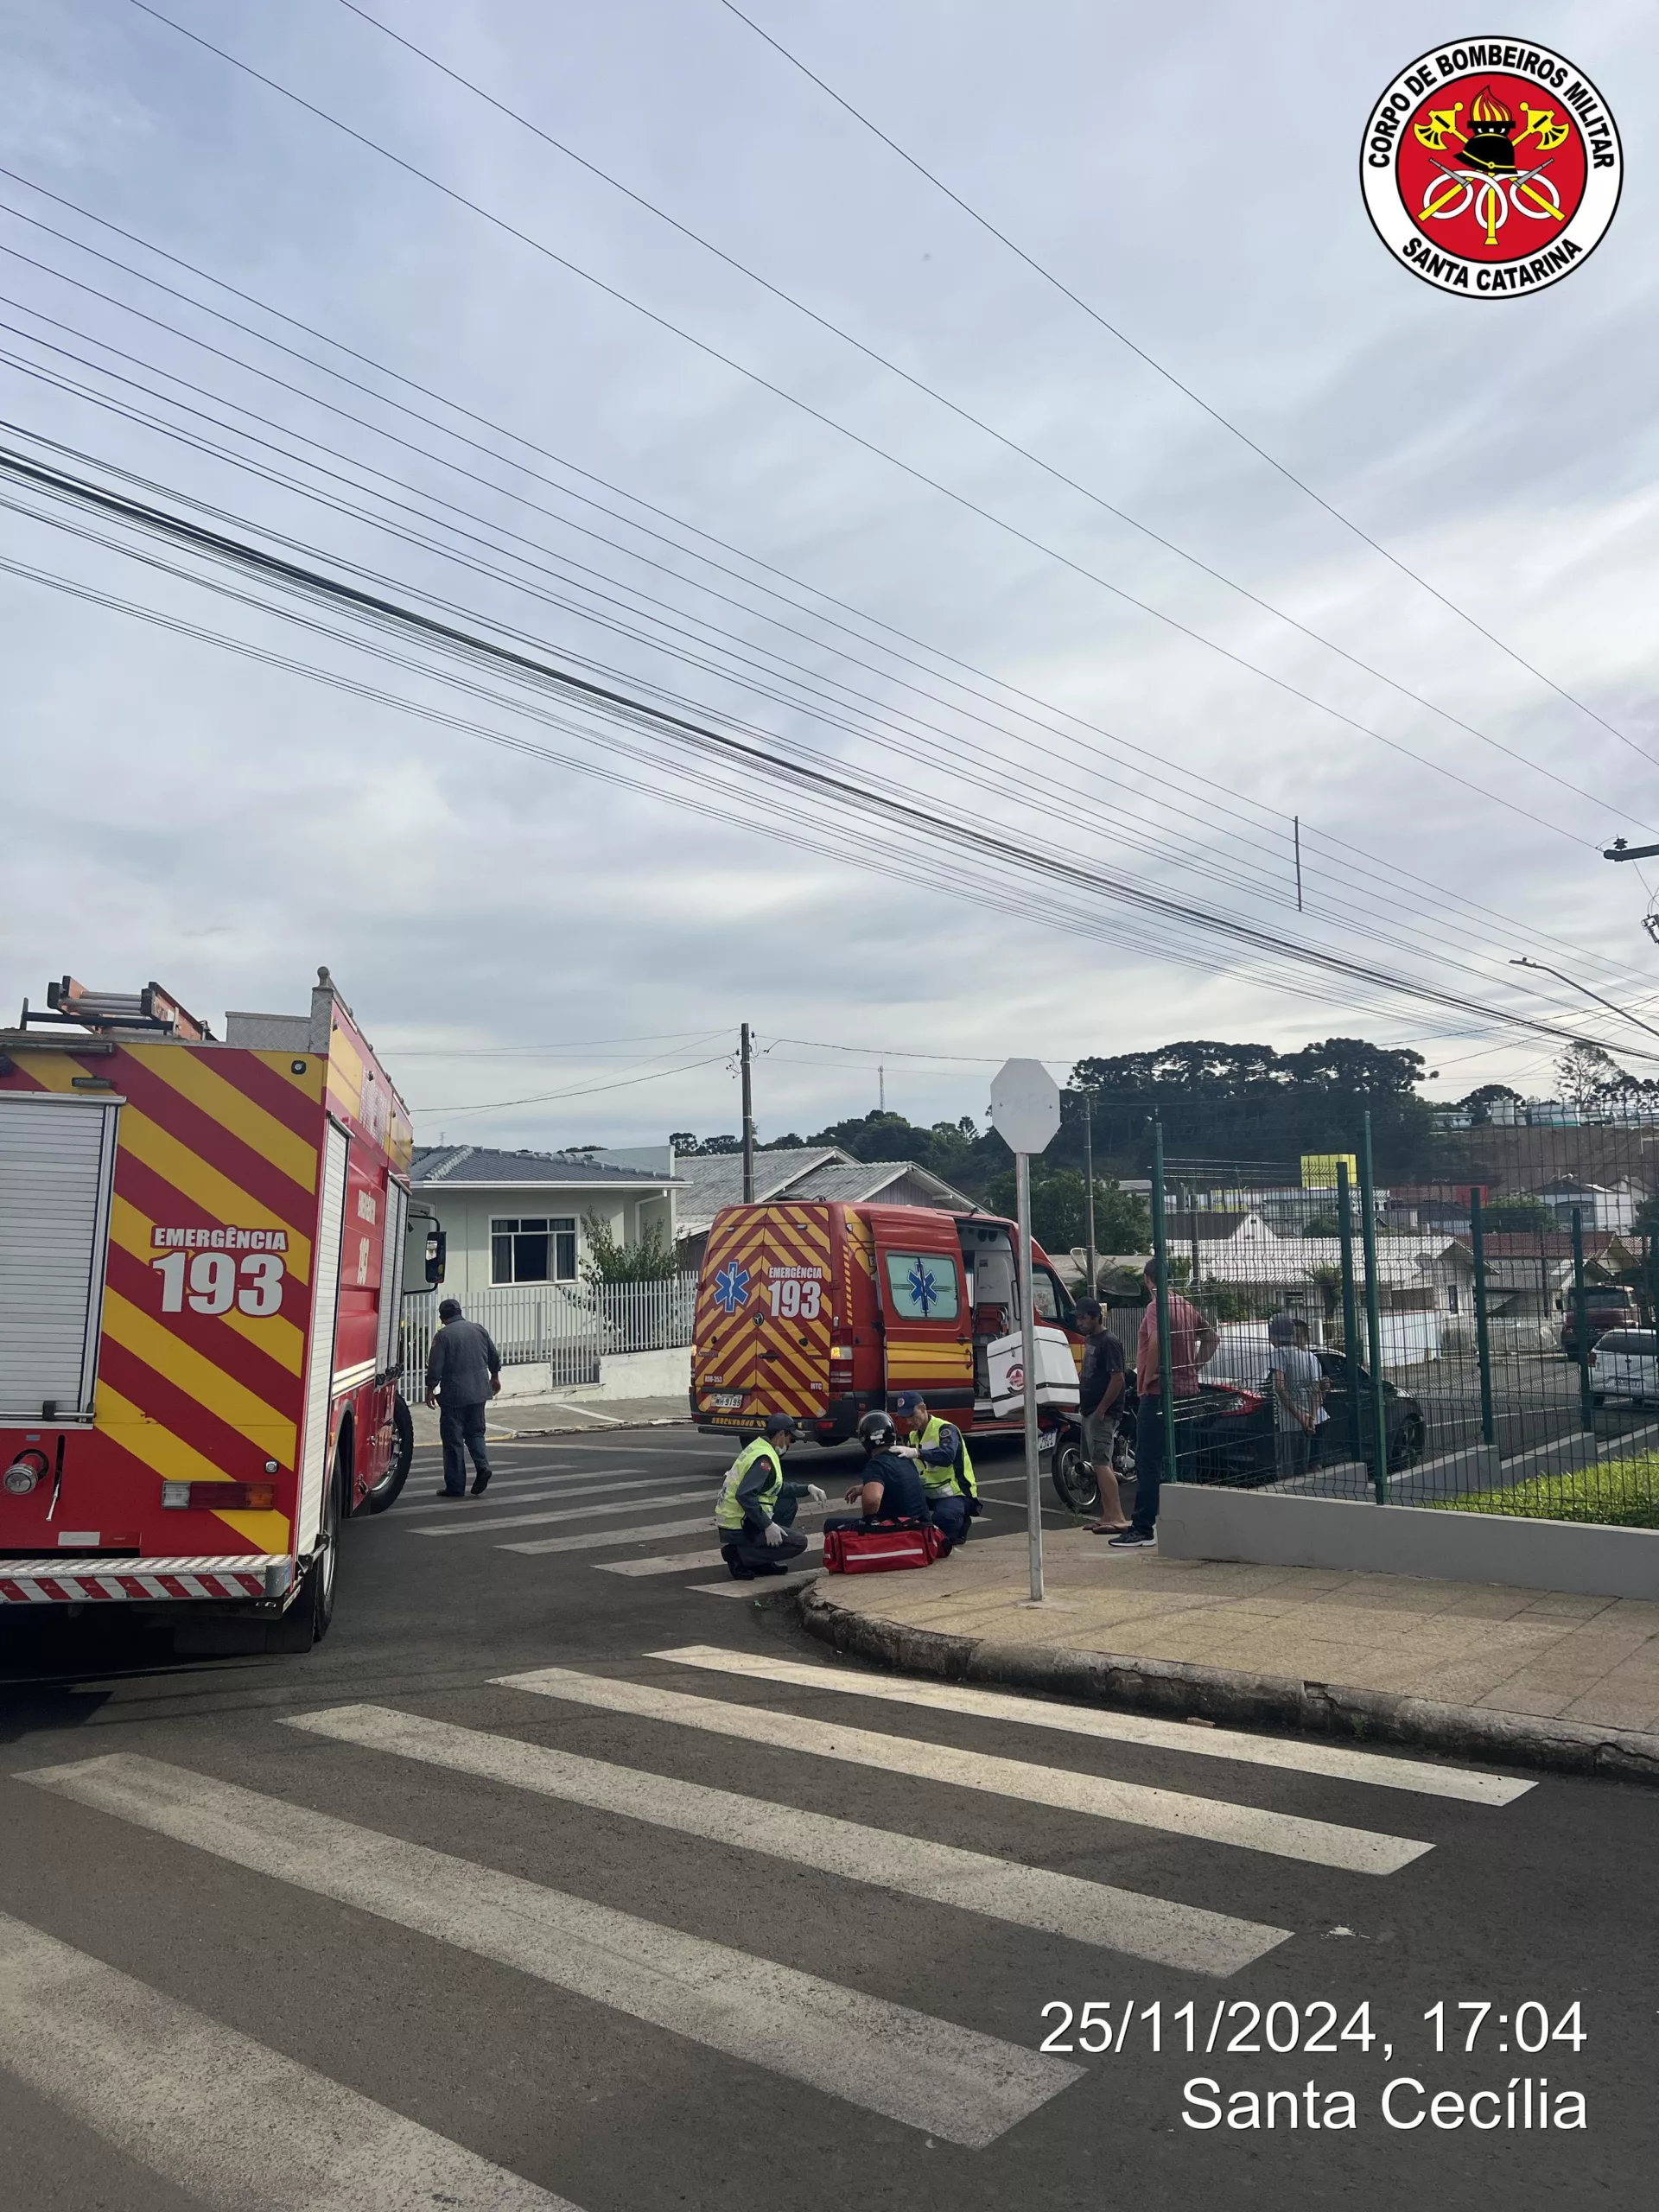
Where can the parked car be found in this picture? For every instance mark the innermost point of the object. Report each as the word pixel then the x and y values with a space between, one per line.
pixel 1625 1365
pixel 1606 1306
pixel 1234 1426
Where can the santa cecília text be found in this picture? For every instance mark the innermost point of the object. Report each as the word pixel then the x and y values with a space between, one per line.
pixel 1525 2101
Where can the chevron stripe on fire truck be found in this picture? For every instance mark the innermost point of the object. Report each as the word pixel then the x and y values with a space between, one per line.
pixel 233 1145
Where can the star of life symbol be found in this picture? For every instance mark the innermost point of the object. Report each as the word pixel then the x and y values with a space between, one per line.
pixel 731 1287
pixel 922 1286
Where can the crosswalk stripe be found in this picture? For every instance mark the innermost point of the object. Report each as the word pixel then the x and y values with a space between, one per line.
pixel 1320 1843
pixel 1061 1904
pixel 229 2122
pixel 929 2074
pixel 676 1562
pixel 469 1527
pixel 596 1539
pixel 528 1493
pixel 1333 1760
pixel 760 1587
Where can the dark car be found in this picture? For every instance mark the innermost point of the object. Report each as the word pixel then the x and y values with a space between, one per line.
pixel 1605 1306
pixel 1233 1436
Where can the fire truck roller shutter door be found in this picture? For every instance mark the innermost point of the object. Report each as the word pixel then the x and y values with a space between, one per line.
pixel 57 1162
pixel 319 1345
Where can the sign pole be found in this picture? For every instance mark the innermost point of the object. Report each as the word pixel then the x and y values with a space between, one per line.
pixel 1028 1353
pixel 1026 1114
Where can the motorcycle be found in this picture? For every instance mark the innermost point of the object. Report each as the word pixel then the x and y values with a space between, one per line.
pixel 1071 1470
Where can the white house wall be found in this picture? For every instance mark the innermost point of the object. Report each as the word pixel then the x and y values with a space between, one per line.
pixel 465 1212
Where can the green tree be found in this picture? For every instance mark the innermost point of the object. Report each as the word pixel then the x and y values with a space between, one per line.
pixel 608 1260
pixel 1059 1216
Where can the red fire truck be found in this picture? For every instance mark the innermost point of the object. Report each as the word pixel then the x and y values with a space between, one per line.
pixel 202 1246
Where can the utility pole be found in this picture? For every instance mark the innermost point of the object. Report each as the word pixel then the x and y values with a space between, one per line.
pixel 1089 1190
pixel 1296 820
pixel 881 1087
pixel 746 1055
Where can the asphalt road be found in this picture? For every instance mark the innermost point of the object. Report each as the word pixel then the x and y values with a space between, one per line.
pixel 376 1929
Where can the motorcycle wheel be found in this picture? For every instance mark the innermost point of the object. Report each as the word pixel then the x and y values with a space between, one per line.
pixel 1076 1483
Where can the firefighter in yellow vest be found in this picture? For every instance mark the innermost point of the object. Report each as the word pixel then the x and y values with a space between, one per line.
pixel 756 1506
pixel 947 1472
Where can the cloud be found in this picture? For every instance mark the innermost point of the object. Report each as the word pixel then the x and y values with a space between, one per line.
pixel 226 827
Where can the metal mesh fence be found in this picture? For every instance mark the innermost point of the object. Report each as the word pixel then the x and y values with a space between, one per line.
pixel 1486 1341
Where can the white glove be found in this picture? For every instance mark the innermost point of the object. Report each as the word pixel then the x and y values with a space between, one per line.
pixel 774 1534
pixel 815 1494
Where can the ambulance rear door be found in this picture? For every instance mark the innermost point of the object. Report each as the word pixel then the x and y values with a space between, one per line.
pixel 927 1325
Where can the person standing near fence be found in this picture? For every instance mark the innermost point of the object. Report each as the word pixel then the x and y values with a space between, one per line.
pixel 1192 1342
pixel 463 1373
pixel 1297 1381
pixel 1099 1396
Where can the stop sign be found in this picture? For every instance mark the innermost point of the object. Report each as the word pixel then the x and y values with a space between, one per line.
pixel 1024 1105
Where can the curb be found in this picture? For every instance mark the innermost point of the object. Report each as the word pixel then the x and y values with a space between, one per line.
pixel 1181 1690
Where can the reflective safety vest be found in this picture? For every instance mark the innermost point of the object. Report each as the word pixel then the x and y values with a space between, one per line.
pixel 960 1476
pixel 728 1514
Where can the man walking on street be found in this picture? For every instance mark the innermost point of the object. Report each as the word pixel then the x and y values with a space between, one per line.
pixel 463 1373
pixel 1192 1342
pixel 1100 1393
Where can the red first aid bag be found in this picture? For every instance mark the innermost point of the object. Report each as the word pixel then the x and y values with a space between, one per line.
pixel 882 1547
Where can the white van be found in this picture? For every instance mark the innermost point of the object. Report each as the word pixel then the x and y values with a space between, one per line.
pixel 1625 1363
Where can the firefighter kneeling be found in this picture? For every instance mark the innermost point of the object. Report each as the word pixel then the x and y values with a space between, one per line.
pixel 756 1505
pixel 946 1470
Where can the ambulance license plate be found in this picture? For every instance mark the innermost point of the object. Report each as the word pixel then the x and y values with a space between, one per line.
pixel 727 1401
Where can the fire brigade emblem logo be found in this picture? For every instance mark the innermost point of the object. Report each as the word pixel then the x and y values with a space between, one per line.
pixel 1491 167
pixel 731 1287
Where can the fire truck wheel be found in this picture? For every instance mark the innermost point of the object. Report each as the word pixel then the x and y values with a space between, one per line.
pixel 385 1492
pixel 305 1622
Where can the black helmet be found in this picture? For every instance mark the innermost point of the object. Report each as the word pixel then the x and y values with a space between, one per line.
pixel 876 1431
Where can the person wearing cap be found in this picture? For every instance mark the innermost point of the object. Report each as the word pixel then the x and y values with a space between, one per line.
pixel 943 1461
pixel 463 1373
pixel 756 1506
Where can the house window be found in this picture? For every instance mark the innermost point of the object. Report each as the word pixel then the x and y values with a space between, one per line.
pixel 534 1249
pixel 1452 1297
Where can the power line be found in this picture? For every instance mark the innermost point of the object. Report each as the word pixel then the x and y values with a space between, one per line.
pixel 588 1091
pixel 1170 377
pixel 894 461
pixel 1147 943
pixel 1396 874
pixel 932 392
pixel 1112 822
pixel 742 753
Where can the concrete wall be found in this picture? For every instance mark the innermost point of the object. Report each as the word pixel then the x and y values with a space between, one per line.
pixel 1196 1520
pixel 621 1375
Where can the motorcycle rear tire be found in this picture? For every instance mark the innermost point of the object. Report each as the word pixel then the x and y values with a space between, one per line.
pixel 1076 1483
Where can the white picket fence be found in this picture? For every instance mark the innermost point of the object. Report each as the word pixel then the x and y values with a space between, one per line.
pixel 566 1326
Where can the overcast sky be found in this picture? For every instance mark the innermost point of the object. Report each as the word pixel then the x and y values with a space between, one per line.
pixel 505 927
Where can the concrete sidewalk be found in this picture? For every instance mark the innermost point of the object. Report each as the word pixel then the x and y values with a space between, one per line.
pixel 1556 1681
pixel 555 1416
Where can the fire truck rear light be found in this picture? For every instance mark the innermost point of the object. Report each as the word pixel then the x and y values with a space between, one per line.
pixel 220 1497
pixel 842 1354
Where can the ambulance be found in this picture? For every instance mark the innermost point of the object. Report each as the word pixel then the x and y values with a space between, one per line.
pixel 202 1245
pixel 824 1309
